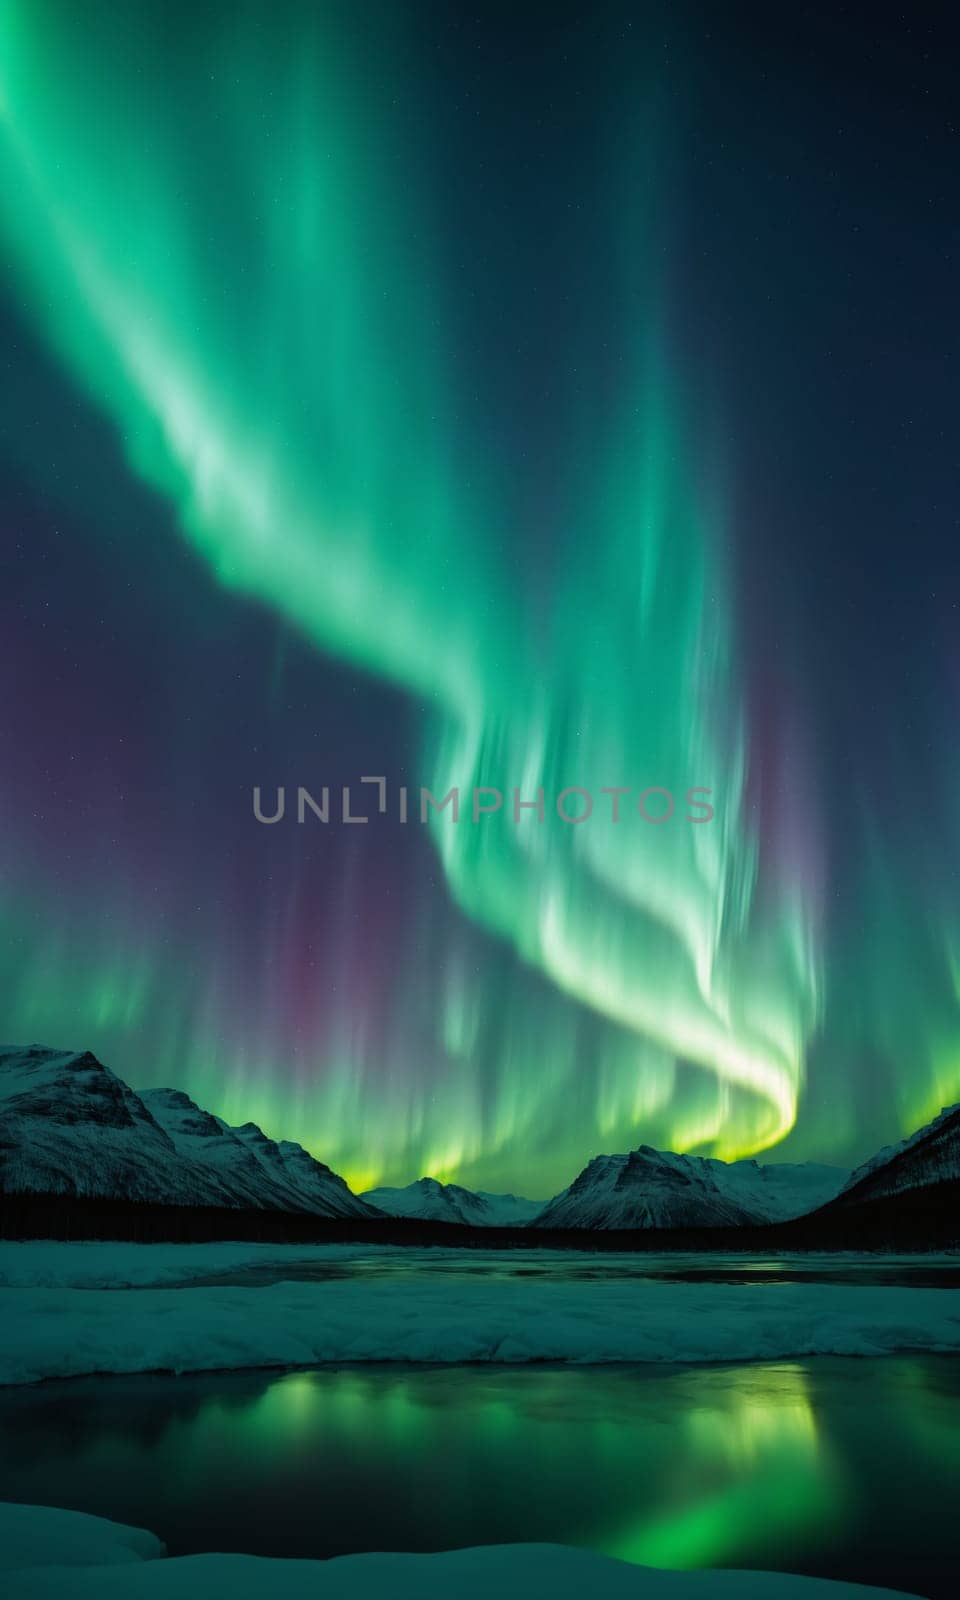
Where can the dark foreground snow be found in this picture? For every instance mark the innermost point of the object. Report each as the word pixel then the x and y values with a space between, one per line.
pixel 61 1331
pixel 46 1554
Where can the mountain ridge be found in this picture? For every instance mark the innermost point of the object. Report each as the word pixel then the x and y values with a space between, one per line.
pixel 928 1156
pixel 648 1188
pixel 70 1127
pixel 427 1199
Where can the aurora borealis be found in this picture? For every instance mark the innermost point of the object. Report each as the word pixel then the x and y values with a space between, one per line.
pixel 476 400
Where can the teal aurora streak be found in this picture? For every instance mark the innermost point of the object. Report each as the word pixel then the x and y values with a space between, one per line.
pixel 228 237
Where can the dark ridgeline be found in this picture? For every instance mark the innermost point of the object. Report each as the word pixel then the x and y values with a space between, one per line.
pixel 83 1156
pixel 915 1220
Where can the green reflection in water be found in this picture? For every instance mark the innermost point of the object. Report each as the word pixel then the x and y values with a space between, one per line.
pixel 723 1463
pixel 789 1466
pixel 769 1472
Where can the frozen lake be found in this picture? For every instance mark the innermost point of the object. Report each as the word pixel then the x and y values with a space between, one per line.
pixel 837 1467
pixel 575 1267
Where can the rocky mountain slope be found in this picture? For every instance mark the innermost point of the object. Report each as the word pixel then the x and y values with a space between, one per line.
pixel 650 1188
pixel 68 1125
pixel 433 1201
pixel 929 1156
pixel 71 1127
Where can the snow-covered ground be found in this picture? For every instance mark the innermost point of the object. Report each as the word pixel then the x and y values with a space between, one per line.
pixel 31 1535
pixel 99 1560
pixel 115 1264
pixel 65 1332
pixel 109 1264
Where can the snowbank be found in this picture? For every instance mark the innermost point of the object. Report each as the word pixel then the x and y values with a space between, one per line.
pixel 47 1333
pixel 31 1534
pixel 507 1572
pixel 108 1264
pixel 99 1264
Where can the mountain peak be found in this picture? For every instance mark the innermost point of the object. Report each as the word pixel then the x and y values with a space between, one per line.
pixel 430 1200
pixel 648 1188
pixel 930 1155
pixel 69 1125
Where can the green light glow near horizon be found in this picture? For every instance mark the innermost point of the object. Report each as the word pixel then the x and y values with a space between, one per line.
pixel 232 252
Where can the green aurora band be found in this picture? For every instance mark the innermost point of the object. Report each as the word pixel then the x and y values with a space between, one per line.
pixel 267 325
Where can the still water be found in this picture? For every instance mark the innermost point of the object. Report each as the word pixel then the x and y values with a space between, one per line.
pixel 406 1266
pixel 843 1468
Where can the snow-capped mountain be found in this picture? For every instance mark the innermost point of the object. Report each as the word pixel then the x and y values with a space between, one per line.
pixel 929 1156
pixel 656 1189
pixel 510 1210
pixel 433 1201
pixel 68 1125
pixel 251 1169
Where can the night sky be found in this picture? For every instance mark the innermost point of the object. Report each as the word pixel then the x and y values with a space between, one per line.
pixel 511 395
